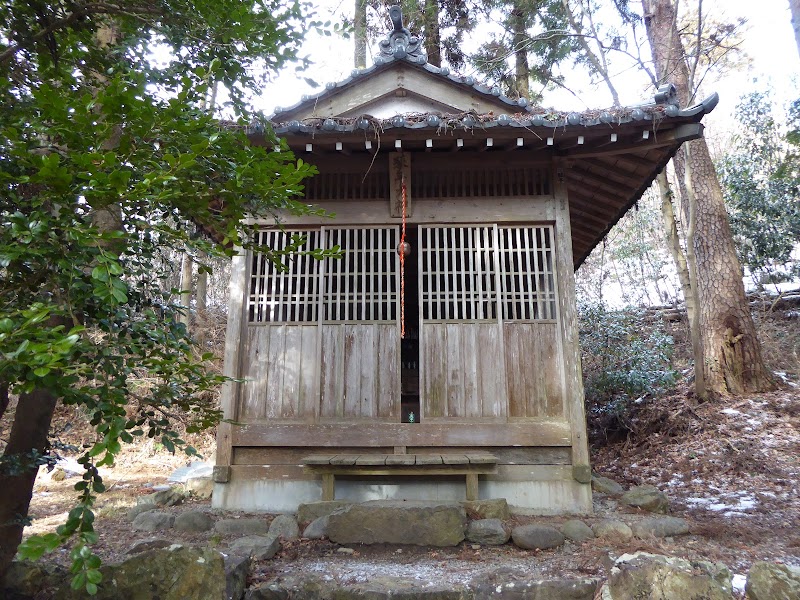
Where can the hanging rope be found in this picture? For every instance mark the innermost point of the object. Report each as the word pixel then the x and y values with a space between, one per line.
pixel 402 251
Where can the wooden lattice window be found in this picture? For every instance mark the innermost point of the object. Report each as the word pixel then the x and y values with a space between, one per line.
pixel 457 273
pixel 290 289
pixel 360 285
pixel 469 273
pixel 527 290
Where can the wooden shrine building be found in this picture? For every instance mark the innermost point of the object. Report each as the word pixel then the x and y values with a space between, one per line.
pixel 402 377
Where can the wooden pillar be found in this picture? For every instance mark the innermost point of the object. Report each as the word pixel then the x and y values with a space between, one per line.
pixel 472 486
pixel 571 352
pixel 328 487
pixel 399 171
pixel 236 330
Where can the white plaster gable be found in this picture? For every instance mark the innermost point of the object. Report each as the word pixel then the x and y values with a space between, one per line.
pixel 395 89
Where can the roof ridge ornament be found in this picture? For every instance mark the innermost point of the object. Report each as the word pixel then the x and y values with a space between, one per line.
pixel 399 43
pixel 666 94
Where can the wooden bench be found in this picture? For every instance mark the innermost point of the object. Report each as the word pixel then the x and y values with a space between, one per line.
pixel 469 465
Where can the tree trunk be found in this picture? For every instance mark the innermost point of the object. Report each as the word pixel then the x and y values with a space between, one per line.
pixel 731 353
pixel 522 76
pixel 186 288
pixel 433 40
pixel 794 5
pixel 200 293
pixel 360 34
pixel 28 435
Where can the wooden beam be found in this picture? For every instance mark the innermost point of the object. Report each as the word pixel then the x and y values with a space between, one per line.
pixel 535 209
pixel 674 137
pixel 614 169
pixel 604 180
pixel 539 432
pixel 591 196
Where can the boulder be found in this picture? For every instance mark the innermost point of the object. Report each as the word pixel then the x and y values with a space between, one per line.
pixel 646 497
pixel 656 577
pixel 241 526
pixel 768 581
pixel 548 589
pixel 390 588
pixel 488 509
pixel 537 537
pixel 25 579
pixel 194 521
pixel 237 568
pixel 135 511
pixel 300 587
pixel 169 497
pixel 660 527
pixel 259 547
pixel 314 510
pixel 612 530
pixel 398 522
pixel 148 544
pixel 577 531
pixel 604 485
pixel 284 526
pixel 489 532
pixel 153 520
pixel 267 591
pixel 200 487
pixel 317 529
pixel 174 573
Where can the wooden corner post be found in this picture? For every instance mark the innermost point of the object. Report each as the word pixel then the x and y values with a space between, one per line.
pixel 233 343
pixel 571 352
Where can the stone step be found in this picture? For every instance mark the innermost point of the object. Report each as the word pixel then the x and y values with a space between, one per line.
pixel 399 522
pixel 311 587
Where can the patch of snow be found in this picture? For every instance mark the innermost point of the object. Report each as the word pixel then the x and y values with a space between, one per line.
pixel 785 378
pixel 738 582
pixel 676 480
pixel 70 466
pixel 754 422
pixel 733 507
pixel 194 469
pixel 731 411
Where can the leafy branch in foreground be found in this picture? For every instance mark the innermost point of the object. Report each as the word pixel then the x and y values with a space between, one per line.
pixel 107 164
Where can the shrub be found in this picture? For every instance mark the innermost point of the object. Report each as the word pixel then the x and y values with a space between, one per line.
pixel 626 357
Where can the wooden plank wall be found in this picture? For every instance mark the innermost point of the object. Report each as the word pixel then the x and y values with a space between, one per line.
pixel 533 370
pixel 280 364
pixel 360 371
pixel 463 372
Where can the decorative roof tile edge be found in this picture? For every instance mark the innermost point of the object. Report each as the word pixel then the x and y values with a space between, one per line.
pixel 535 117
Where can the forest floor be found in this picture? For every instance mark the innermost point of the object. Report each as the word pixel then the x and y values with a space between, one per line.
pixel 729 466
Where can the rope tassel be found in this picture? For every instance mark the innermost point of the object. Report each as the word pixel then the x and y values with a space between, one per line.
pixel 403 249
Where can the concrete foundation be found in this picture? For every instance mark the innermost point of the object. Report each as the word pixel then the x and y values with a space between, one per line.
pixel 524 497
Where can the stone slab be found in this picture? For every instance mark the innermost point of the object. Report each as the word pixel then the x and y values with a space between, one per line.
pixel 398 522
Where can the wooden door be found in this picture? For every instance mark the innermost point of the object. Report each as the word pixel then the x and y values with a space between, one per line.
pixel 528 310
pixel 322 340
pixel 461 359
pixel 360 326
pixel 490 345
